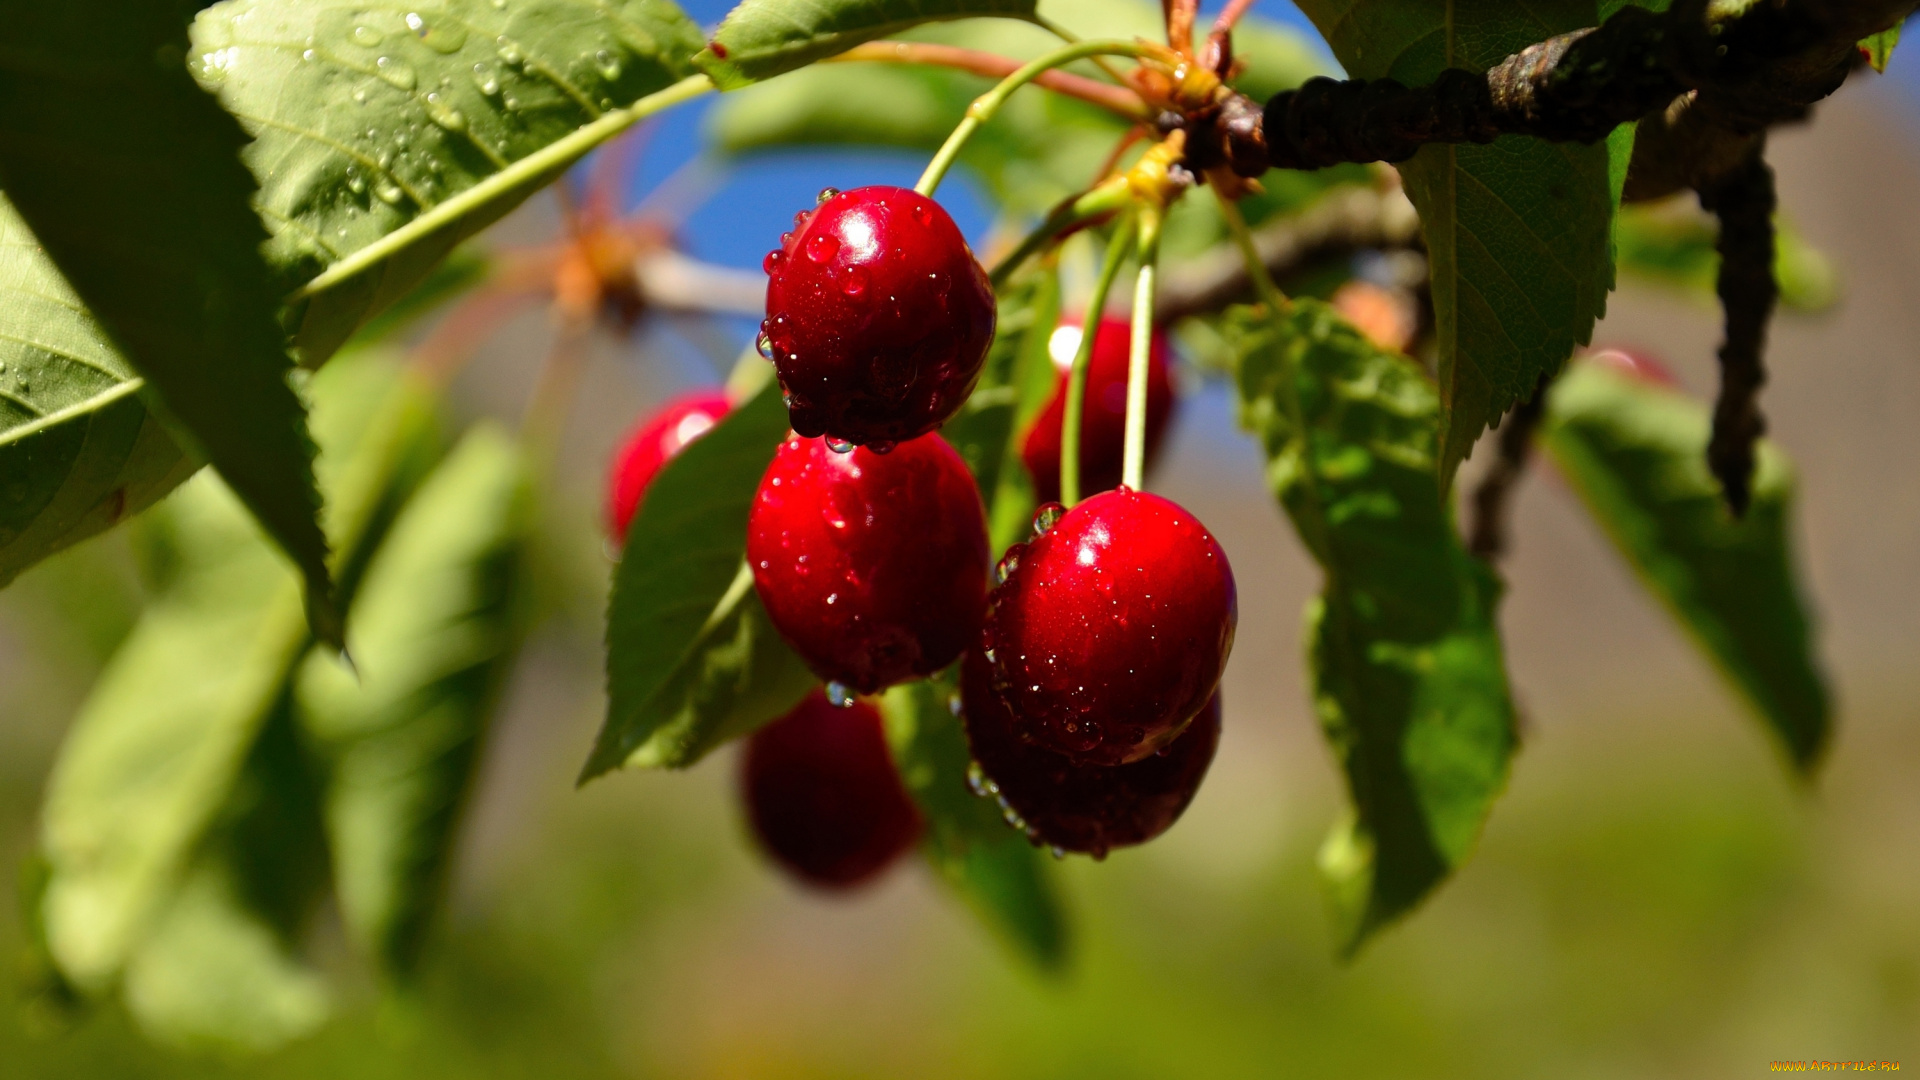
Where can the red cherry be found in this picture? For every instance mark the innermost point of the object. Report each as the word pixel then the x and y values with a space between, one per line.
pixel 872 566
pixel 1103 421
pixel 878 316
pixel 823 795
pixel 1073 807
pixel 649 447
pixel 1636 364
pixel 1111 629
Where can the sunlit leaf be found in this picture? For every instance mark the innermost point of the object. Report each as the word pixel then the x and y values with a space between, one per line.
pixel 994 869
pixel 1636 453
pixel 221 966
pixel 157 746
pixel 763 38
pixel 126 173
pixel 1517 231
pixel 691 657
pixel 436 624
pixel 79 451
pixel 387 135
pixel 1408 677
pixel 1878 49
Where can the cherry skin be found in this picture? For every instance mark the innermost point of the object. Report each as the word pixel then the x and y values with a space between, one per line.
pixel 649 447
pixel 878 317
pixel 1103 418
pixel 1074 807
pixel 1636 364
pixel 823 796
pixel 872 566
pixel 1111 629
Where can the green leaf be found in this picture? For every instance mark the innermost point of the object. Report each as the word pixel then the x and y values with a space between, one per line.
pixel 1636 453
pixel 994 869
pixel 691 658
pixel 763 38
pixel 156 748
pixel 1878 49
pixel 221 968
pixel 127 174
pixel 1014 386
pixel 382 144
pixel 1517 231
pixel 437 623
pixel 78 449
pixel 1672 244
pixel 1408 678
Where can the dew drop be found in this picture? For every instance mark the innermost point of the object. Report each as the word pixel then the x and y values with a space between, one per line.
pixel 509 50
pixel 976 779
pixel 839 696
pixel 771 264
pixel 3 367
pixel 309 55
pixel 881 446
pixel 1045 518
pixel 486 78
pixel 923 213
pixel 822 246
pixel 855 283
pixel 764 344
pixel 355 182
pixel 988 655
pixel 800 218
pixel 607 64
pixel 444 114
pixel 499 5
pixel 839 446
pixel 955 706
pixel 25 387
pixel 359 97
pixel 512 103
pixel 825 194
pixel 397 73
pixel 366 35
pixel 388 192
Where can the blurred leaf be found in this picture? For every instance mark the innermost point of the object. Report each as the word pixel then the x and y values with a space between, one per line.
pixel 691 658
pixel 387 135
pixel 1878 49
pixel 1672 243
pixel 155 749
pixel 127 174
pixel 991 865
pixel 1635 451
pixel 78 449
pixel 220 967
pixel 1517 232
pixel 466 267
pixel 436 626
pixel 1407 671
pixel 763 38
pixel 1014 386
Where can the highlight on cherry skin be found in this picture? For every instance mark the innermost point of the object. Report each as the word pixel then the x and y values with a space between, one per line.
pixel 872 566
pixel 1634 363
pixel 650 446
pixel 1068 806
pixel 1103 416
pixel 823 797
pixel 1110 629
pixel 878 317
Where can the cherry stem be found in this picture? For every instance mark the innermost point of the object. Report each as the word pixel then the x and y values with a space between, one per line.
pixel 1117 99
pixel 1230 15
pixel 1083 358
pixel 1263 284
pixel 1180 16
pixel 1108 198
pixel 1140 351
pixel 987 104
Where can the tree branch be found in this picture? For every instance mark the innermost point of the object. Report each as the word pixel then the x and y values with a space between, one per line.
pixel 1489 540
pixel 1744 203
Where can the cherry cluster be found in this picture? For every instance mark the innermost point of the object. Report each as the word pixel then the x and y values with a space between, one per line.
pixel 1090 655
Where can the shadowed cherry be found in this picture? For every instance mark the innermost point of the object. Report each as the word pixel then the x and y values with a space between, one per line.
pixel 1103 419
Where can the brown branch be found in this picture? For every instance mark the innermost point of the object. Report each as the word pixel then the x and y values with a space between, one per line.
pixel 1346 220
pixel 1118 99
pixel 1744 203
pixel 1490 499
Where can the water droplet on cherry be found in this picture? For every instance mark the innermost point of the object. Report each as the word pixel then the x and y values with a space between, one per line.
pixel 1045 518
pixel 839 446
pixel 822 247
pixel 839 696
pixel 825 194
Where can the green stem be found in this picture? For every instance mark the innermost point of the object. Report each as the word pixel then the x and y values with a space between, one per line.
pixel 1108 198
pixel 987 104
pixel 536 168
pixel 1083 358
pixel 1140 351
pixel 1263 283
